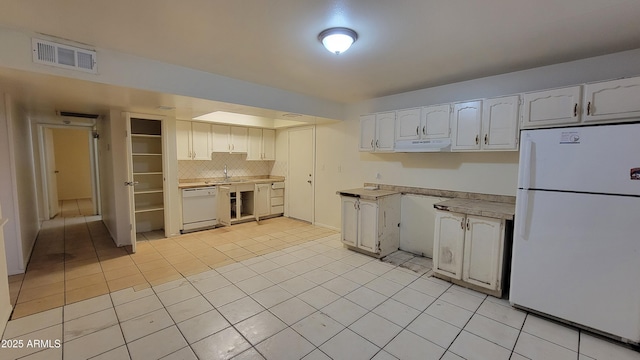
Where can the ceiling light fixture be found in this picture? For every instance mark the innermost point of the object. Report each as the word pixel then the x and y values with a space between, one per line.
pixel 337 40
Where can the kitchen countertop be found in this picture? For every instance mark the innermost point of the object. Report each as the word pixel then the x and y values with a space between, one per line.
pixel 491 209
pixel 367 194
pixel 239 180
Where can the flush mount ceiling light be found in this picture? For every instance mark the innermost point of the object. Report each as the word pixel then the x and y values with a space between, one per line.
pixel 337 40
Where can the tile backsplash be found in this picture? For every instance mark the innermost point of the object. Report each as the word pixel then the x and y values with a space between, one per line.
pixel 237 165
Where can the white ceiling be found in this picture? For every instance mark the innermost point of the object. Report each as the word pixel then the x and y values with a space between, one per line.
pixel 403 45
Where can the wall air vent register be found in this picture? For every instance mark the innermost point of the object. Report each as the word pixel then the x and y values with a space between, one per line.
pixel 64 56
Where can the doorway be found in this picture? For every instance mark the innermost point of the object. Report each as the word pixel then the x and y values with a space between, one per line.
pixel 69 171
pixel 301 173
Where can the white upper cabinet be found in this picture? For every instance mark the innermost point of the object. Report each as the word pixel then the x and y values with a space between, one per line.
pixel 238 139
pixel 385 131
pixel 231 139
pixel 201 145
pixel 193 140
pixel 552 107
pixel 261 144
pixel 377 132
pixel 616 99
pixel 367 132
pixel 220 138
pixel 435 121
pixel 408 124
pixel 183 140
pixel 268 144
pixel 465 125
pixel 429 122
pixel 500 123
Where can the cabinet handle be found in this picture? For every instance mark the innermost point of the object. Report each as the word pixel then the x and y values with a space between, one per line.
pixel 485 138
pixel 467 224
pixel 575 110
pixel 589 108
pixel 477 139
pixel 424 130
pixel 372 143
pixel 377 143
pixel 462 224
pixel 418 130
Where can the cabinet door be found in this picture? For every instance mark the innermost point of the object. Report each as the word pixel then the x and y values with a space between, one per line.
pixel 183 140
pixel 483 252
pixel 385 131
pixel 268 144
pixel 224 206
pixel 201 149
pixel 500 123
pixel 262 200
pixel 551 107
pixel 465 125
pixel 408 124
pixel 220 138
pixel 368 235
pixel 435 121
pixel 350 220
pixel 617 99
pixel 367 132
pixel 448 241
pixel 238 139
pixel 254 144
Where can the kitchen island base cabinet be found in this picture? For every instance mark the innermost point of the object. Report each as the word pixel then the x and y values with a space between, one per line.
pixel 371 226
pixel 469 251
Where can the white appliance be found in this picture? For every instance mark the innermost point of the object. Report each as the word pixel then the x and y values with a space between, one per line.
pixel 576 246
pixel 434 145
pixel 199 208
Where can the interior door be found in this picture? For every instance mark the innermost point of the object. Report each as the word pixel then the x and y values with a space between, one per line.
pixel 301 174
pixel 52 174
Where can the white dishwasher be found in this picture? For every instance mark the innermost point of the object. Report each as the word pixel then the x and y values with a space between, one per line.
pixel 199 208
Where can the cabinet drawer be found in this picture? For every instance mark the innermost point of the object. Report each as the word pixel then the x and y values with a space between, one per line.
pixel 275 201
pixel 277 192
pixel 277 209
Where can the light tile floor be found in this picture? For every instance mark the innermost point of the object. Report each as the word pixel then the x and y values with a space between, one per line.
pixel 314 300
pixel 74 257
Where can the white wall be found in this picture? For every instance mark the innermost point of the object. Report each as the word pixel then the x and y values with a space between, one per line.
pixel 134 72
pixel 341 165
pixel 17 185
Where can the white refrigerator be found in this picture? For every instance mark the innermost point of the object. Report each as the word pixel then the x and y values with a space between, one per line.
pixel 576 243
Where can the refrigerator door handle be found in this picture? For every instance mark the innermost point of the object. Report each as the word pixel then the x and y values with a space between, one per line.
pixel 525 164
pixel 521 213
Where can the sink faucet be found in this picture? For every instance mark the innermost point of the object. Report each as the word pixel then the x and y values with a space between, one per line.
pixel 226 176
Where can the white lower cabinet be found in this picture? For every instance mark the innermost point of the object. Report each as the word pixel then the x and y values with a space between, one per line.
pixel 469 248
pixel 371 226
pixel 262 200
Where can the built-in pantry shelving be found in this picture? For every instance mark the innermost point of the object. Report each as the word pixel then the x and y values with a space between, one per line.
pixel 148 174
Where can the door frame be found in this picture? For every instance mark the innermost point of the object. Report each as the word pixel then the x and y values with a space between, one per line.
pixel 313 171
pixel 93 161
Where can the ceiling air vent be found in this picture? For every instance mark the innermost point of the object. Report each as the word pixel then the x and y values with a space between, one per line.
pixel 64 56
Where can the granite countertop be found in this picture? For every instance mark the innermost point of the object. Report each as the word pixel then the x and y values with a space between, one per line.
pixel 491 209
pixel 236 180
pixel 367 194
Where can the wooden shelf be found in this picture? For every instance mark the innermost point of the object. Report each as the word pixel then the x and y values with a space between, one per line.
pixel 149 191
pixel 145 154
pixel 148 173
pixel 146 136
pixel 143 209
